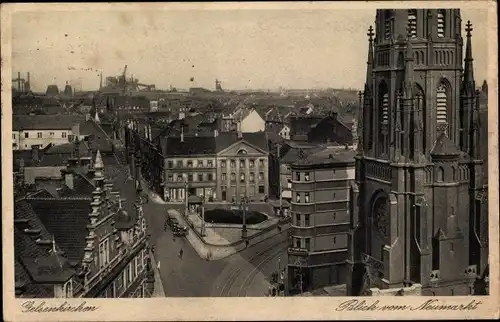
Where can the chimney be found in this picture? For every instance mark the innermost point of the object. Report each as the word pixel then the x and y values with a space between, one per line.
pixel 238 130
pixel 68 180
pixel 35 153
pixel 29 84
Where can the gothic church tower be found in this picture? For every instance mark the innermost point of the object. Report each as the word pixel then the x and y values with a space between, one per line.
pixel 421 216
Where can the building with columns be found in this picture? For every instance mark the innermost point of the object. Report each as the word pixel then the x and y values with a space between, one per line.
pixel 222 167
pixel 423 211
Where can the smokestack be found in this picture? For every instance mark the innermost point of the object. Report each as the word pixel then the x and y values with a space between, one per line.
pixel 19 81
pixel 29 82
pixel 238 130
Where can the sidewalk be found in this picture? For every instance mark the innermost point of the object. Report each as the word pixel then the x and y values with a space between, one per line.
pixel 219 247
pixel 158 288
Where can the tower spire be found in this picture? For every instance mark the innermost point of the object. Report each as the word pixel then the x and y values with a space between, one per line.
pixel 369 62
pixel 469 83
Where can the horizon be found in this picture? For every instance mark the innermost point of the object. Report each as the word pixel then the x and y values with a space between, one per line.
pixel 307 49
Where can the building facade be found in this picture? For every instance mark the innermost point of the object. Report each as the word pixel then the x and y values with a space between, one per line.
pixel 321 219
pixel 42 130
pixel 82 240
pixel 223 167
pixel 422 194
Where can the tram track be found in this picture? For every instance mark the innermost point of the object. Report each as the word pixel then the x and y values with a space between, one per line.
pixel 225 291
pixel 249 279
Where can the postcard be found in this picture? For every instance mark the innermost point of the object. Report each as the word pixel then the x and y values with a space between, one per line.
pixel 250 161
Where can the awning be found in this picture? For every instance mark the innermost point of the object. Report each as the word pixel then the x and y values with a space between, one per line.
pixel 194 199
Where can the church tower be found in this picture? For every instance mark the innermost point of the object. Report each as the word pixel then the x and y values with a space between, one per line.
pixel 422 219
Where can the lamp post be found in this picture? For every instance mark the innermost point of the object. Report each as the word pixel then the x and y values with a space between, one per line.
pixel 243 206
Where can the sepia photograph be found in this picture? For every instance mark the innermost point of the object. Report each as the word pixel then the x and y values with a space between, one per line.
pixel 189 152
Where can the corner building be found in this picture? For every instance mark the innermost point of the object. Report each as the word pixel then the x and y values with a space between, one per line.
pixel 319 254
pixel 423 212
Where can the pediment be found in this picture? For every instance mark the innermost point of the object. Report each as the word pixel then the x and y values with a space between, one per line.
pixel 242 148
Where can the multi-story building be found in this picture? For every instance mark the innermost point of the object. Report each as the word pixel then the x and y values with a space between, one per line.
pixel 321 211
pixel 81 239
pixel 42 130
pixel 423 209
pixel 224 167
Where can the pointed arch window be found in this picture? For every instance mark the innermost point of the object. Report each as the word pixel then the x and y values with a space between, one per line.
pixel 435 253
pixel 440 174
pixel 412 23
pixel 441 105
pixel 385 109
pixel 387 25
pixel 441 18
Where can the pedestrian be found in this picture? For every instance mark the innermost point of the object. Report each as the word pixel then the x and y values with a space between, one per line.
pixel 181 252
pixel 158 265
pixel 246 243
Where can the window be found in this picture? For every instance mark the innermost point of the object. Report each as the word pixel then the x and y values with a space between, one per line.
pixel 179 164
pixel 261 176
pixel 252 177
pixel 210 177
pixel 306 176
pixel 51 133
pixel 26 135
pixel 125 278
pixel 297 197
pixel 412 22
pixel 242 163
pixel 223 164
pixel 385 109
pixel 440 23
pixel 307 220
pixel 242 177
pixel 334 240
pixel 223 177
pixel 261 162
pixel 136 265
pixel 251 163
pixel 308 243
pixel 233 164
pixel 441 105
pixel 199 164
pixel 39 135
pixel 63 134
pixel 130 273
pixel 200 177
pixel 233 176
pixel 297 243
pixel 387 26
pixel 68 288
pixel 190 164
pixel 104 253
pixel 190 178
pixel 210 164
pixel 440 174
pixel 297 176
pixel 435 253
pixel 297 219
pixel 262 189
pixel 170 177
pixel 13 136
pixel 306 197
pixel 170 164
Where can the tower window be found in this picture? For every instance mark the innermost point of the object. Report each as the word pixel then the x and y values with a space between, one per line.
pixel 442 103
pixel 440 22
pixel 440 174
pixel 387 25
pixel 412 23
pixel 435 253
pixel 385 109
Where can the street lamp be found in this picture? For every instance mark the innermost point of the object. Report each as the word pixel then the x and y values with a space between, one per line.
pixel 244 207
pixel 186 196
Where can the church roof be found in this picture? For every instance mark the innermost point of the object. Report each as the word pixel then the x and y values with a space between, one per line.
pixel 444 147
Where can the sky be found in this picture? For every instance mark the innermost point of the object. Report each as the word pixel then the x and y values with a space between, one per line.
pixel 256 49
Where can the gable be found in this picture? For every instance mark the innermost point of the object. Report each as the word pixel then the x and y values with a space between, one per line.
pixel 241 147
pixel 253 116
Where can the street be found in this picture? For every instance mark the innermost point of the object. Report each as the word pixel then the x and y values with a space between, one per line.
pixel 243 274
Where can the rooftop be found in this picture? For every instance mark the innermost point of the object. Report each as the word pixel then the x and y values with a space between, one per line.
pixel 45 122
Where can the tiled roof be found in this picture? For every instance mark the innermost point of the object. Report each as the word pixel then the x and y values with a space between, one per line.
pixel 293 153
pixel 44 122
pixel 328 155
pixel 67 220
pixel 197 145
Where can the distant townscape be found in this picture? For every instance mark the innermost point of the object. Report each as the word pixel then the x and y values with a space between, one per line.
pixel 136 191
